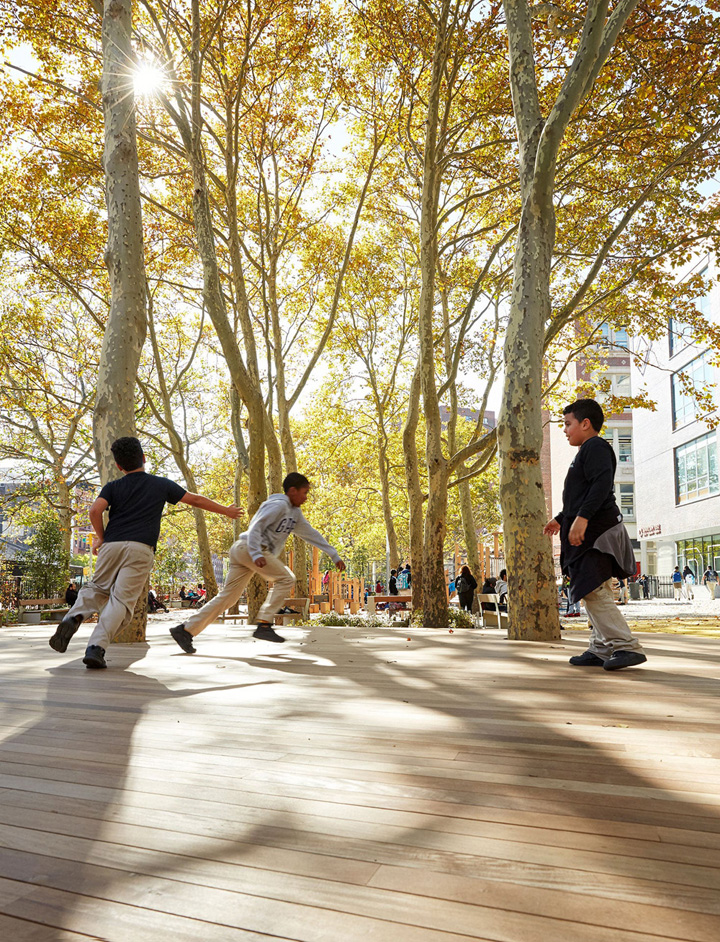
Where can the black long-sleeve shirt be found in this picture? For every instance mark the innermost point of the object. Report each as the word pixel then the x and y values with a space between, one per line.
pixel 589 485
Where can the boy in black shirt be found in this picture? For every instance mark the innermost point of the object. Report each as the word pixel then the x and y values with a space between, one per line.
pixel 126 549
pixel 594 542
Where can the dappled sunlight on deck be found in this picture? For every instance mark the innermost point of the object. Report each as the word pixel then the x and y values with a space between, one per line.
pixel 358 785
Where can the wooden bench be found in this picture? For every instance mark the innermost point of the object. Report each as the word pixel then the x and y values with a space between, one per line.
pixel 51 606
pixel 489 619
pixel 301 607
pixel 236 616
pixel 374 599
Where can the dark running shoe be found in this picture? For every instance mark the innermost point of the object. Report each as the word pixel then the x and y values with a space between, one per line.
pixel 183 638
pixel 266 632
pixel 624 659
pixel 288 611
pixel 64 632
pixel 587 659
pixel 94 657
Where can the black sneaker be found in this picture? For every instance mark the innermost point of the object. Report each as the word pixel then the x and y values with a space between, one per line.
pixel 183 638
pixel 94 657
pixel 624 659
pixel 266 632
pixel 64 632
pixel 288 611
pixel 587 659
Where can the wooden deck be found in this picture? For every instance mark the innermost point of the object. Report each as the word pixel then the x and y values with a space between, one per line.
pixel 355 785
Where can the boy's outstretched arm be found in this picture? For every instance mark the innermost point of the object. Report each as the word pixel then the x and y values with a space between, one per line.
pixel 204 503
pixel 97 510
pixel 316 539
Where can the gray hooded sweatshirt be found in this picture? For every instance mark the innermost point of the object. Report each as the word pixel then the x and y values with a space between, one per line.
pixel 275 520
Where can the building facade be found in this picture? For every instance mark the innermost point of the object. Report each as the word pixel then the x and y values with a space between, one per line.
pixel 676 449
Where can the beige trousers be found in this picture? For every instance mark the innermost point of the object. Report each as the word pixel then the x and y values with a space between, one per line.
pixel 609 631
pixel 242 569
pixel 120 576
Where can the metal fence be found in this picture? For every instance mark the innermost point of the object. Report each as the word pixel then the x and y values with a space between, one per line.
pixel 660 587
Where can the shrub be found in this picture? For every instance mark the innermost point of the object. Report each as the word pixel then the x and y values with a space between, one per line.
pixel 457 618
pixel 333 620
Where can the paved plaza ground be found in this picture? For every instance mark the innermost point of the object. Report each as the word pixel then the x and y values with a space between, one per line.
pixel 358 784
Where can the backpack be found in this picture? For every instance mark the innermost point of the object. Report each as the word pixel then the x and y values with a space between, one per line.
pixel 461 584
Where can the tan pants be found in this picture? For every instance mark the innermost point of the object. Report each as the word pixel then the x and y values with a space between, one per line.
pixel 242 569
pixel 120 576
pixel 609 631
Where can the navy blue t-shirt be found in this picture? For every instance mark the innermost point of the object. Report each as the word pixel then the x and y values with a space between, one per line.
pixel 137 501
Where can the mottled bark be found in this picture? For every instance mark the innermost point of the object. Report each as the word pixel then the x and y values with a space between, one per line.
pixel 114 414
pixel 414 490
pixel 531 578
pixel 532 590
pixel 65 513
pixel 384 474
pixel 434 589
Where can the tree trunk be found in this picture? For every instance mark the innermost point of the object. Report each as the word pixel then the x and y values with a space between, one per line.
pixel 414 490
pixel 435 605
pixel 533 611
pixel 65 513
pixel 114 414
pixel 469 530
pixel 385 496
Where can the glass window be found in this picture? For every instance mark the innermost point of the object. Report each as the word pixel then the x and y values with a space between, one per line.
pixel 680 335
pixel 621 384
pixel 620 337
pixel 696 469
pixel 699 373
pixel 704 303
pixel 625 446
pixel 627 500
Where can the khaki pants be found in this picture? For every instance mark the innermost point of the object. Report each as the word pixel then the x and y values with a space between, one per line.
pixel 120 576
pixel 242 569
pixel 609 631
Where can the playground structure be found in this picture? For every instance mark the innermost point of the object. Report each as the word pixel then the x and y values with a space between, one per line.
pixel 342 593
pixel 339 594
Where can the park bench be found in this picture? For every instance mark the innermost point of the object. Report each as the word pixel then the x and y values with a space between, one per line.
pixel 40 607
pixel 300 606
pixel 374 599
pixel 489 619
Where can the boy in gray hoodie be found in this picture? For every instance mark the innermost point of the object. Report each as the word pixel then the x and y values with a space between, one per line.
pixel 256 551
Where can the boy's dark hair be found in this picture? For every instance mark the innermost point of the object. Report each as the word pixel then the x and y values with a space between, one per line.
pixel 503 573
pixel 128 453
pixel 587 409
pixel 393 572
pixel 295 479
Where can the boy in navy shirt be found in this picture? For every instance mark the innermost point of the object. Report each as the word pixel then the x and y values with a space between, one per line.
pixel 125 549
pixel 594 544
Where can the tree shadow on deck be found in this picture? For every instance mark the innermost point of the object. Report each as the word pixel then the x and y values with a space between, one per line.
pixel 63 775
pixel 542 753
pixel 544 788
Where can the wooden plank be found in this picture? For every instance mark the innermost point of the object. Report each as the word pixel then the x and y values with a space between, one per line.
pixel 396 906
pixel 371 790
pixel 20 930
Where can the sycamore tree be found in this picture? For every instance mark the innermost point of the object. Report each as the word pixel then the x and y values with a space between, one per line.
pixel 616 111
pixel 449 186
